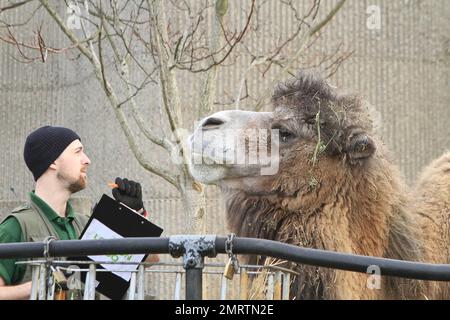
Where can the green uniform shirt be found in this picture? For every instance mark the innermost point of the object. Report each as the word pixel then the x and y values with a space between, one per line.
pixel 10 231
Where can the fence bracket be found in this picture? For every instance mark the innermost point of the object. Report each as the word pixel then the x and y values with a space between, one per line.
pixel 193 248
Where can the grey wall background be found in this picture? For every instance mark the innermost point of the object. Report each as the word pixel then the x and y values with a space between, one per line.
pixel 403 69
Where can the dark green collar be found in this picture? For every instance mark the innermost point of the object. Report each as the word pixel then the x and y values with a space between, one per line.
pixel 48 211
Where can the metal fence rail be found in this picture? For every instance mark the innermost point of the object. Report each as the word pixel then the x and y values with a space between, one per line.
pixel 193 249
pixel 277 288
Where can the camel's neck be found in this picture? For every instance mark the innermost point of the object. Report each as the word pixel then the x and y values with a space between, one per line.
pixel 361 212
pixel 262 217
pixel 259 217
pixel 350 211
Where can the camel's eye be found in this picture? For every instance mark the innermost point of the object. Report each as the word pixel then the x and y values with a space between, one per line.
pixel 285 135
pixel 310 121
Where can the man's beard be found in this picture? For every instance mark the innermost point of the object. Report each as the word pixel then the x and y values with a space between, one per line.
pixel 76 186
pixel 79 185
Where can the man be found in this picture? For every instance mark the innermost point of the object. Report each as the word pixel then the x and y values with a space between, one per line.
pixel 56 157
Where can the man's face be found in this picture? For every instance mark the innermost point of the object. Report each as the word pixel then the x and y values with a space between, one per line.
pixel 72 165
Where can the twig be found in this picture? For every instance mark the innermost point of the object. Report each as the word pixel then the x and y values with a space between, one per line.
pixel 299 51
pixel 14 5
pixel 112 98
pixel 232 46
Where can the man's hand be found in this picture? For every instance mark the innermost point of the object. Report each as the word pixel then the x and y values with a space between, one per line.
pixel 129 193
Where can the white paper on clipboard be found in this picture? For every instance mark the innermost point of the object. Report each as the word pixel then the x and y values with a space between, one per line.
pixel 97 231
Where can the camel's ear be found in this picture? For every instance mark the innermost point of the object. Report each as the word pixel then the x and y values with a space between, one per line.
pixel 360 147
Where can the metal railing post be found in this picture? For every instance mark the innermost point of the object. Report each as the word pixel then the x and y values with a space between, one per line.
pixel 223 289
pixel 51 287
pixel 194 283
pixel 243 283
pixel 286 285
pixel 34 282
pixel 42 281
pixel 193 249
pixel 132 288
pixel 177 286
pixel 277 286
pixel 270 285
pixel 89 289
pixel 141 282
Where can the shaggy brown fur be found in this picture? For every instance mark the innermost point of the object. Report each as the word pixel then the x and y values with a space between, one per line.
pixel 432 202
pixel 336 190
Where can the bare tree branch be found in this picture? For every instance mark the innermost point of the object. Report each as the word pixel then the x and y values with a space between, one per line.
pixel 232 46
pixel 14 5
pixel 163 173
pixel 125 74
pixel 327 19
pixel 167 76
pixel 67 31
pixel 40 46
pixel 102 65
pixel 303 41
pixel 209 86
pixel 4 24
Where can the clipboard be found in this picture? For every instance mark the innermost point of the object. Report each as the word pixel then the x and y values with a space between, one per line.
pixel 111 219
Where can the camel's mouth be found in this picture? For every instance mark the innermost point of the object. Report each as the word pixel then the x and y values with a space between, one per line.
pixel 199 153
pixel 233 144
pixel 202 159
pixel 201 166
pixel 213 167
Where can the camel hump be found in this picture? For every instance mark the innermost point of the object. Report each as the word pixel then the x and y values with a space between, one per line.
pixel 442 163
pixel 436 174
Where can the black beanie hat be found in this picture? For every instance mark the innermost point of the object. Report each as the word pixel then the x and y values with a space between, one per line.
pixel 43 147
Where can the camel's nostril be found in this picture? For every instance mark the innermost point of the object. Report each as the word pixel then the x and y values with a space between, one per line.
pixel 212 122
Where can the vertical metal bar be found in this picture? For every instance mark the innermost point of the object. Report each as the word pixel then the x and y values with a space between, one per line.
pixel 223 288
pixel 286 285
pixel 34 282
pixel 132 288
pixel 269 294
pixel 51 289
pixel 277 286
pixel 177 286
pixel 91 292
pixel 42 281
pixel 141 282
pixel 194 283
pixel 243 283
pixel 86 287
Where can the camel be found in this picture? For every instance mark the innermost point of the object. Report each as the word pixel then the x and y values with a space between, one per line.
pixel 431 196
pixel 335 188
